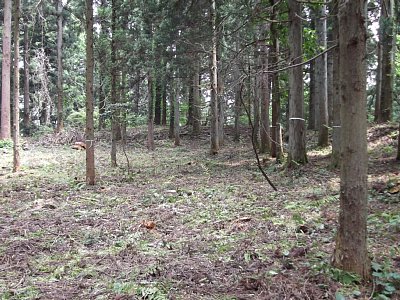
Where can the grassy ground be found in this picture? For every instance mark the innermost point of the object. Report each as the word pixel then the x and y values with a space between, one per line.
pixel 181 224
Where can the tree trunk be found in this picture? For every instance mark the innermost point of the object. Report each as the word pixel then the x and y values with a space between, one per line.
pixel 387 29
pixel 27 116
pixel 398 145
pixel 238 90
pixel 257 95
pixel 221 110
pixel 114 83
pixel 196 98
pixel 276 132
pixel 175 95
pixel 321 87
pixel 5 132
pixel 378 85
pixel 157 102
pixel 103 67
pixel 214 131
pixel 90 166
pixel 164 104
pixel 60 89
pixel 312 120
pixel 351 239
pixel 150 115
pixel 335 160
pixel 297 130
pixel 171 111
pixel 16 146
pixel 265 137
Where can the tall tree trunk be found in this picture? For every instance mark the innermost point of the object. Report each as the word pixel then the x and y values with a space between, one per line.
pixel 351 239
pixel 114 85
pixel 150 114
pixel 157 102
pixel 175 89
pixel 312 107
pixel 321 74
pixel 265 137
pixel 276 136
pixel 257 96
pixel 60 88
pixel 335 160
pixel 5 132
pixel 164 104
pixel 90 166
pixel 137 93
pixel 171 110
pixel 238 89
pixel 297 130
pixel 103 67
pixel 214 131
pixel 27 115
pixel 387 29
pixel 16 146
pixel 196 98
pixel 378 84
pixel 221 110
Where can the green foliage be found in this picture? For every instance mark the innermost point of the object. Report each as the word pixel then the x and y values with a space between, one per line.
pixel 78 118
pixel 386 280
pixel 150 293
pixel 6 144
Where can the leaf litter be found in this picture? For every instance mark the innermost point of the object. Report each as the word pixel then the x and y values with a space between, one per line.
pixel 180 224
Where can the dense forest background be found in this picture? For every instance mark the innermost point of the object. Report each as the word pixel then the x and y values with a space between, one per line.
pixel 177 105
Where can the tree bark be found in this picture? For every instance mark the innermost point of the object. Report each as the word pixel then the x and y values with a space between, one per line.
pixel 27 117
pixel 351 239
pixel 150 114
pixel 297 130
pixel 175 89
pixel 90 165
pixel 387 29
pixel 60 89
pixel 321 76
pixel 16 146
pixel 196 98
pixel 276 135
pixel 214 131
pixel 378 84
pixel 114 83
pixel 265 137
pixel 5 132
pixel 335 160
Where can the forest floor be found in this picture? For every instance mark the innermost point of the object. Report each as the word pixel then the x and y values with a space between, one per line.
pixel 182 224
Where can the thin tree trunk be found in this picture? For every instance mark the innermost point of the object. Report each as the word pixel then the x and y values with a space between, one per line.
pixel 238 88
pixel 351 239
pixel 157 102
pixel 164 104
pixel 321 74
pixel 175 89
pixel 387 28
pixel 196 98
pixel 297 130
pixel 265 137
pixel 27 118
pixel 90 165
pixel 5 132
pixel 257 96
pixel 214 131
pixel 150 114
pixel 312 120
pixel 276 132
pixel 114 83
pixel 378 85
pixel 335 160
pixel 16 146
pixel 171 111
pixel 60 91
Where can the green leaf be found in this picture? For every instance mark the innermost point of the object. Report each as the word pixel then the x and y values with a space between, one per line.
pixel 339 296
